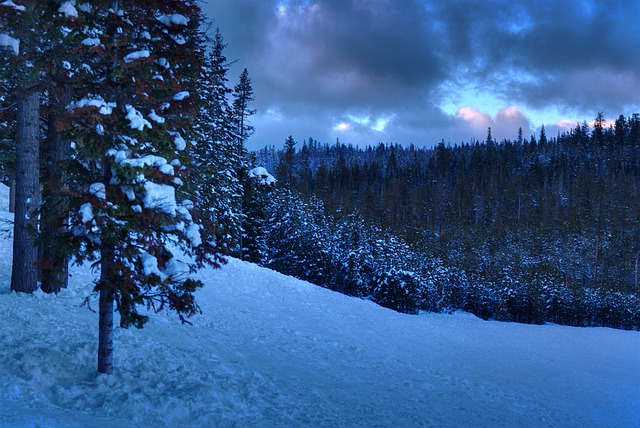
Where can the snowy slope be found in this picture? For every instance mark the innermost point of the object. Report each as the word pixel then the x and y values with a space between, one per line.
pixel 270 350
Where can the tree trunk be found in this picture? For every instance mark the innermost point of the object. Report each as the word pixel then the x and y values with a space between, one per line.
pixel 595 262
pixel 24 273
pixel 12 194
pixel 636 272
pixel 105 331
pixel 55 268
pixel 105 323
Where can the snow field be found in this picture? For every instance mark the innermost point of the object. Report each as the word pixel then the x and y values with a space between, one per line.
pixel 273 351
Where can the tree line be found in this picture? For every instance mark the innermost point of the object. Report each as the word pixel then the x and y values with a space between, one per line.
pixel 532 229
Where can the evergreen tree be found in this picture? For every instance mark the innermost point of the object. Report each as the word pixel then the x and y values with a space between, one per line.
pixel 213 179
pixel 257 200
pixel 242 111
pixel 285 168
pixel 135 78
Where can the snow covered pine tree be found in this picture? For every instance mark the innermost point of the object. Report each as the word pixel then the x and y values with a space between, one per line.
pixel 134 77
pixel 215 161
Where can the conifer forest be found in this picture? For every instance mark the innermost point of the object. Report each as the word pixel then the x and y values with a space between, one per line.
pixel 529 230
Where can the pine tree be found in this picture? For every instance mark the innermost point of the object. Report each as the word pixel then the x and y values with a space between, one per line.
pixel 242 111
pixel 135 77
pixel 257 200
pixel 239 116
pixel 213 179
pixel 285 168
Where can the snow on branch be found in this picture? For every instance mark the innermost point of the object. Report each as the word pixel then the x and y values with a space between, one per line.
pixel 173 19
pixel 181 96
pixel 136 55
pixel 137 121
pixel 161 197
pixel 102 106
pixel 98 190
pixel 10 42
pixel 68 9
pixel 262 175
pixel 13 5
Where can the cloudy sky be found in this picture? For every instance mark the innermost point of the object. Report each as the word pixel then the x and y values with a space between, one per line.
pixel 420 71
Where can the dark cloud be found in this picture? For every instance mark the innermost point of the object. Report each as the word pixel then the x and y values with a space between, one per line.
pixel 382 70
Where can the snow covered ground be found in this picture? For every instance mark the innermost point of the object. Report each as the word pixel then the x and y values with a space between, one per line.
pixel 272 351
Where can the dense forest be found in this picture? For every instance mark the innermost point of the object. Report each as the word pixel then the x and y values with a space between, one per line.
pixel 529 230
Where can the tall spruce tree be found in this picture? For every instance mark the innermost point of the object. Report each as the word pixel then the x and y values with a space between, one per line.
pixel 213 178
pixel 240 113
pixel 135 76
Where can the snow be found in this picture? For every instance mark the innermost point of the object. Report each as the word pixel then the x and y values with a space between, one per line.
pixel 181 95
pixel 68 9
pixel 150 265
pixel 14 44
pixel 137 55
pixel 85 7
pixel 273 351
pixel 262 175
pixel 135 118
pixel 161 197
pixel 192 233
pixel 180 143
pixel 154 116
pixel 180 40
pixel 173 19
pixel 163 62
pixel 98 190
pixel 91 41
pixel 104 108
pixel 167 169
pixel 147 160
pixel 13 5
pixel 86 211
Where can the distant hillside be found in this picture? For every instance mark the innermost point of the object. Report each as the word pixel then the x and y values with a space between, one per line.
pixel 539 221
